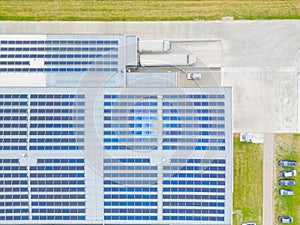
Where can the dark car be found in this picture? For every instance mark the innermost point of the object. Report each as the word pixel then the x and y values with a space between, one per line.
pixel 285 219
pixel 289 163
pixel 287 182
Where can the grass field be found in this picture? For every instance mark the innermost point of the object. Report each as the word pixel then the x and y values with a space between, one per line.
pixel 288 147
pixel 248 182
pixel 146 10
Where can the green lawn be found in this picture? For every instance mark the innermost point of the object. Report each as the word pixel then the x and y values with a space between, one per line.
pixel 146 10
pixel 248 182
pixel 287 147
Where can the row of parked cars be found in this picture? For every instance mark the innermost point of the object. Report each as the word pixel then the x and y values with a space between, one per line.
pixel 284 191
pixel 287 182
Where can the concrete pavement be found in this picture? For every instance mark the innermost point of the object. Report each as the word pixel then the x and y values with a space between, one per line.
pixel 268 168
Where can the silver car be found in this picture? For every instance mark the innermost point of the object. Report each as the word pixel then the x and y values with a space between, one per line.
pixel 287 182
pixel 286 192
pixel 289 163
pixel 248 223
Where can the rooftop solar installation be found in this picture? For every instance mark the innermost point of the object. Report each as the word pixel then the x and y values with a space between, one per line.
pixel 68 55
pixel 65 59
pixel 116 155
pixel 97 142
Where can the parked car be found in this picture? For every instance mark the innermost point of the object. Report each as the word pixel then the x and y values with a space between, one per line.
pixel 287 182
pixel 288 173
pixel 287 163
pixel 286 192
pixel 285 219
pixel 194 76
pixel 248 223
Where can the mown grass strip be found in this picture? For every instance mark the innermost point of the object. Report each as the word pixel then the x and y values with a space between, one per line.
pixel 248 182
pixel 145 10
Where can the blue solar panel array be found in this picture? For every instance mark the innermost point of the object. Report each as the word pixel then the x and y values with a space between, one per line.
pixel 194 189
pixel 52 189
pixel 190 122
pixel 193 122
pixel 142 179
pixel 42 121
pixel 14 204
pixel 68 55
pixel 130 122
pixel 130 189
